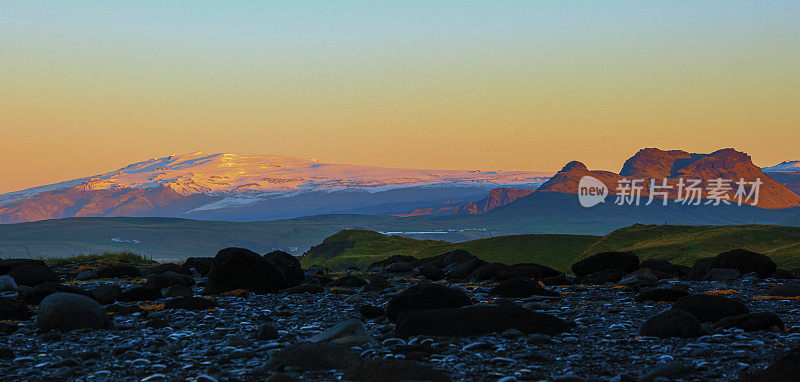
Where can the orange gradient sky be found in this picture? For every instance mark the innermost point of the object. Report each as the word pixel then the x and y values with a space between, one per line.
pixel 91 86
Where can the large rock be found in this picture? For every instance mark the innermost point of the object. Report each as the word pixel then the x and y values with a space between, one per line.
pixel 492 272
pixel 106 293
pixel 672 323
pixel 201 265
pixel 11 309
pixel 66 311
pixel 399 268
pixel 785 369
pixel 288 265
pixel 392 370
pixel 239 268
pixel 751 322
pixel 425 296
pixel 625 261
pixel 602 277
pixel 7 284
pixel 517 287
pixel 710 308
pixel 167 279
pixel 477 320
pixel 533 271
pixel 32 274
pixel 7 264
pixel 165 267
pixel 462 271
pixel 664 267
pixel 115 271
pixel 447 259
pixel 378 283
pixel 314 356
pixel 700 268
pixel 346 333
pixel 430 272
pixel 745 262
pixel 34 295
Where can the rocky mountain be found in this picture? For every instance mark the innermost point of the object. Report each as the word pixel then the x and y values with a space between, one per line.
pixel 679 169
pixel 497 198
pixel 241 188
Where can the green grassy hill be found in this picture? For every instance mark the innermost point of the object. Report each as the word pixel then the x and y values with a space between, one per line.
pixel 360 248
pixel 680 244
pixel 685 244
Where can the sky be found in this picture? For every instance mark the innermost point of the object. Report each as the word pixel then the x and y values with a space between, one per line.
pixel 88 87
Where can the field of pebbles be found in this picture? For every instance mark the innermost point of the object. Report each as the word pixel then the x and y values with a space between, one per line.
pixel 241 317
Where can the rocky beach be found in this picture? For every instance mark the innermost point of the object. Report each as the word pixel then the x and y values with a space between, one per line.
pixel 241 316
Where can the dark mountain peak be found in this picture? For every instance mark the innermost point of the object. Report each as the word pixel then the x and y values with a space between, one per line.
pixel 574 166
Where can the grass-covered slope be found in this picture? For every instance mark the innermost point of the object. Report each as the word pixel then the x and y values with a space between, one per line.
pixel 685 244
pixel 680 244
pixel 360 248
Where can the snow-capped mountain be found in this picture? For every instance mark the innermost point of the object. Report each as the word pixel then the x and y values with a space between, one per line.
pixel 234 187
pixel 788 166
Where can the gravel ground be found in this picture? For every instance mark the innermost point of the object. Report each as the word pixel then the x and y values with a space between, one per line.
pixel 223 343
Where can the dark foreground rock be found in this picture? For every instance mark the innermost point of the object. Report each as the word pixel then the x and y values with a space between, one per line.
pixel 745 262
pixel 314 356
pixel 426 296
pixel 66 311
pixel 672 323
pixel 521 288
pixel 752 321
pixel 624 261
pixel 34 295
pixel 32 273
pixel 239 268
pixel 288 265
pixel 201 265
pixel 710 308
pixel 476 320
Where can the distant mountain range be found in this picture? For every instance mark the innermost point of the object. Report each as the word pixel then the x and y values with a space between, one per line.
pixel 245 188
pixel 553 208
pixel 228 187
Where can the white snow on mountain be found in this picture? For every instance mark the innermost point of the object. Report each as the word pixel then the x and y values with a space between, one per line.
pixel 788 166
pixel 246 179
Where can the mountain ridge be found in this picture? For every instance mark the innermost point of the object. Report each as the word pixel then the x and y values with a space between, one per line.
pixel 652 164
